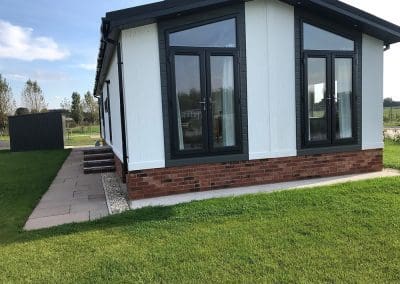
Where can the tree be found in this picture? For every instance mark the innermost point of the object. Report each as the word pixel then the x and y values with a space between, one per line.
pixel 7 103
pixel 76 108
pixel 90 108
pixel 21 111
pixel 32 97
pixel 66 104
pixel 389 102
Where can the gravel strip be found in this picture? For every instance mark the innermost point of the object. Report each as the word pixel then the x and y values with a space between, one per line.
pixel 116 194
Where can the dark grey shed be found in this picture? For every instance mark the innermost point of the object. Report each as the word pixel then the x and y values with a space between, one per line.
pixel 41 131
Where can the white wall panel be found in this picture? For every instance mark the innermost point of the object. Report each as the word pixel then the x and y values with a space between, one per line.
pixel 142 88
pixel 372 93
pixel 271 79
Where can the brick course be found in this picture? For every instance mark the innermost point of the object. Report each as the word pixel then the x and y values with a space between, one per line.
pixel 167 181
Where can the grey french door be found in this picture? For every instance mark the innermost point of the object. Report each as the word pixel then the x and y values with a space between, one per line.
pixel 328 98
pixel 204 101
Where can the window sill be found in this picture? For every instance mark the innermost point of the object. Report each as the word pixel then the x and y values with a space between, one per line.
pixel 206 160
pixel 329 150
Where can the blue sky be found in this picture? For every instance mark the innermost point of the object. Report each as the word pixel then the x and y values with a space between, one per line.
pixel 66 34
pixel 63 38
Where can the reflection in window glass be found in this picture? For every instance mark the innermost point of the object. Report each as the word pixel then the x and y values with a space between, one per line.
pixel 318 39
pixel 343 94
pixel 223 100
pixel 218 34
pixel 188 97
pixel 317 119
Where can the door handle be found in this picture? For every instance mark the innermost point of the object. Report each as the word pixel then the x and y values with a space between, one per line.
pixel 203 104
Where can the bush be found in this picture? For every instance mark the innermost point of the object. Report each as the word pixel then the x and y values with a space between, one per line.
pixel 392 134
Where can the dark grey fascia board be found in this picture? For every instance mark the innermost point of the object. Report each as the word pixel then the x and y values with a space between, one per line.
pixel 349 15
pixel 106 59
pixel 148 14
pixel 359 19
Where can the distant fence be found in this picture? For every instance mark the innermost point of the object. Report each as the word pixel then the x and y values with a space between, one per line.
pixel 41 131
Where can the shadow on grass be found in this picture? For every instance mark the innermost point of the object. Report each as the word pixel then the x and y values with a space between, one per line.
pixel 187 212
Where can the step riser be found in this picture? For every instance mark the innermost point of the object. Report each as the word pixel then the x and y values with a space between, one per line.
pixel 99 163
pixel 101 150
pixel 97 170
pixel 93 152
pixel 95 157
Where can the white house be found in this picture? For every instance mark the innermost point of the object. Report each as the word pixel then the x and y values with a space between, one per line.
pixel 207 94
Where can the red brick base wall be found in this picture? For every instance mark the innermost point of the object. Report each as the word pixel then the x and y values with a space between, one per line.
pixel 175 180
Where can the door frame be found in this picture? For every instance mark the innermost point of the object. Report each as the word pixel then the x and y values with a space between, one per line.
pixel 204 54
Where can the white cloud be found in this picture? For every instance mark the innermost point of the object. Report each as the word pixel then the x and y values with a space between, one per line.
pixel 18 42
pixel 90 67
pixel 38 75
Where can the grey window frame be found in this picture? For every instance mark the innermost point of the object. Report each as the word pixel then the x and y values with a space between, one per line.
pixel 350 32
pixel 191 20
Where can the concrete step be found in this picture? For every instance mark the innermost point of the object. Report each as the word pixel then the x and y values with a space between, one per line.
pixel 98 163
pixel 94 170
pixel 97 150
pixel 101 156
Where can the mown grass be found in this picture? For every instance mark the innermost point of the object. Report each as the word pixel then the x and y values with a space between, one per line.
pixel 24 177
pixel 341 233
pixel 4 138
pixel 391 116
pixel 391 154
pixel 82 140
pixel 82 135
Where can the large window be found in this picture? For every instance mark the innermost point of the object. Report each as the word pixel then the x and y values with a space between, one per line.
pixel 328 93
pixel 203 89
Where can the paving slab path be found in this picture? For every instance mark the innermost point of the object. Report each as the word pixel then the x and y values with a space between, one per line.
pixel 72 197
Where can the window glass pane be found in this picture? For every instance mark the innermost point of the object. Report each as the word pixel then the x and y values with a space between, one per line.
pixel 317 118
pixel 343 94
pixel 218 34
pixel 188 98
pixel 319 39
pixel 223 101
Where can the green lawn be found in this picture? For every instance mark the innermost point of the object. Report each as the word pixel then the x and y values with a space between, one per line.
pixel 391 116
pixel 4 138
pixel 24 177
pixel 391 157
pixel 342 233
pixel 81 140
pixel 88 130
pixel 83 135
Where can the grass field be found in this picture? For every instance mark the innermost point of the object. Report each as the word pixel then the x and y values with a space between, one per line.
pixel 83 135
pixel 341 233
pixel 391 156
pixel 391 116
pixel 4 138
pixel 24 177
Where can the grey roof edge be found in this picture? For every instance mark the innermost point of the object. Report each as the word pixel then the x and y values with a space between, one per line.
pixel 116 21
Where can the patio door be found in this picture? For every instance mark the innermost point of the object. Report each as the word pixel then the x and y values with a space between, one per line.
pixel 328 99
pixel 204 101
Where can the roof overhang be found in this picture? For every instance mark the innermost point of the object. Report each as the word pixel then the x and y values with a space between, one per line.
pixel 115 21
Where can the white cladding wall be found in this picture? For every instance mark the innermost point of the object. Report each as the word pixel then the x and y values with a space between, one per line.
pixel 143 105
pixel 270 88
pixel 112 75
pixel 372 93
pixel 270 79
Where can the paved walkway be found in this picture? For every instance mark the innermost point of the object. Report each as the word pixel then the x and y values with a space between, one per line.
pixel 72 197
